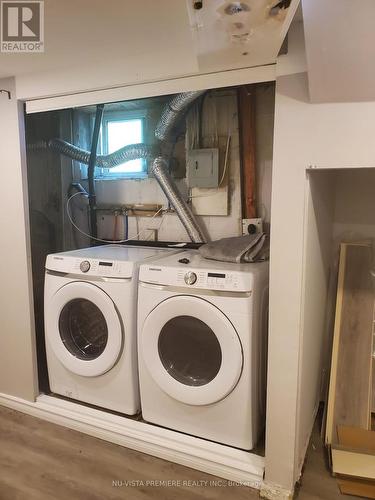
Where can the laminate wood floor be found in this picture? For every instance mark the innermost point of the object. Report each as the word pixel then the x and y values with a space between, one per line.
pixel 43 461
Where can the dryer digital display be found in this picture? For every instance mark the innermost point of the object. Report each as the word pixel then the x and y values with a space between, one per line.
pixel 216 275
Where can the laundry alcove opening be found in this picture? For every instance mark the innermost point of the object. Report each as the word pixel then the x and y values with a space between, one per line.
pixel 340 208
pixel 128 197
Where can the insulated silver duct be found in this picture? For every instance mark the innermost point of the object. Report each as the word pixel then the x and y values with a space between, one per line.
pixel 173 112
pixel 160 170
pixel 127 153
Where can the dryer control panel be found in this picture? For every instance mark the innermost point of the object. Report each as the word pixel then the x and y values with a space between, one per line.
pixel 189 270
pixel 209 280
pixel 197 278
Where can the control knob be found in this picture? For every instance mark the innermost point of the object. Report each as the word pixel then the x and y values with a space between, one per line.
pixel 84 266
pixel 190 278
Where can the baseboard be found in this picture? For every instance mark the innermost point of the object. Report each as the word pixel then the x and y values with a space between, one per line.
pixel 275 492
pixel 228 463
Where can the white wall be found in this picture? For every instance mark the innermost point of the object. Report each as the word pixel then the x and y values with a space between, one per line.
pixel 340 43
pixel 326 135
pixel 17 370
pixel 355 205
pixel 264 123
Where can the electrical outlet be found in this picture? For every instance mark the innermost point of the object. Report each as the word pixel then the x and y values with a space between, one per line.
pixel 252 226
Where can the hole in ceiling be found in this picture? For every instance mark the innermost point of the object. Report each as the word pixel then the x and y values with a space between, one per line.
pixel 284 4
pixel 236 8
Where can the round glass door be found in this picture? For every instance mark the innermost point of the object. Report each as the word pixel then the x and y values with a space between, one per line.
pixel 83 329
pixel 191 350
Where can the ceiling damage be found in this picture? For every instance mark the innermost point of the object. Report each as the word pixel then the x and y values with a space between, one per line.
pixel 230 35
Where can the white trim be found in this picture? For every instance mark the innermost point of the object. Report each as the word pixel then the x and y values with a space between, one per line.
pixel 223 461
pixel 164 87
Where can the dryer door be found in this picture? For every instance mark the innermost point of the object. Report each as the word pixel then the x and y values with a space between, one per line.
pixel 191 350
pixel 84 329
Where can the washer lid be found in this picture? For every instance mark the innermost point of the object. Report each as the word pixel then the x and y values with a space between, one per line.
pixel 83 329
pixel 191 350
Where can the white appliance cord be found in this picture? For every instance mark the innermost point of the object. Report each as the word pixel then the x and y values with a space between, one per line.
pixel 68 212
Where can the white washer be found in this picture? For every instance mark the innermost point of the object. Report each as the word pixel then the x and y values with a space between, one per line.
pixel 202 329
pixel 90 314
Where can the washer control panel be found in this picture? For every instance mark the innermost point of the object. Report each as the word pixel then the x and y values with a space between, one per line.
pixel 107 268
pixel 208 280
pixel 90 267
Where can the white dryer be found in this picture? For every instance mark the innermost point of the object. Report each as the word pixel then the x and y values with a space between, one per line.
pixel 202 329
pixel 90 303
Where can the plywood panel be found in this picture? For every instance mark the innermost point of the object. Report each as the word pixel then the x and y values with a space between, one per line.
pixel 353 437
pixel 350 384
pixel 357 487
pixel 351 463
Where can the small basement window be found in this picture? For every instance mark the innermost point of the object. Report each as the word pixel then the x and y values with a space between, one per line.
pixel 119 130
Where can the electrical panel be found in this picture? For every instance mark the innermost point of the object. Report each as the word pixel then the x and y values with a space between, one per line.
pixel 202 167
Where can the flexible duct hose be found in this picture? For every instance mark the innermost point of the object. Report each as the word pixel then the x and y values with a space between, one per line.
pixel 171 114
pixel 127 153
pixel 160 170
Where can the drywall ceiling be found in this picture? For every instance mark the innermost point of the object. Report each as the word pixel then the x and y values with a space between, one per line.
pixel 92 44
pixel 235 34
pixel 82 32
pixel 340 49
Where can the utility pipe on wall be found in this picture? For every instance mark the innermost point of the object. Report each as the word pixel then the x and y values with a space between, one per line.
pixel 246 119
pixel 91 170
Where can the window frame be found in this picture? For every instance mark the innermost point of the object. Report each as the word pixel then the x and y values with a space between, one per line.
pixel 121 115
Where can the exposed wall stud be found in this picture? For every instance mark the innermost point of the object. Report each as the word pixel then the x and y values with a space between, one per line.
pixel 246 108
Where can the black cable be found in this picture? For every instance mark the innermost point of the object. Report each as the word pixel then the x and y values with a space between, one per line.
pixel 91 170
pixel 200 119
